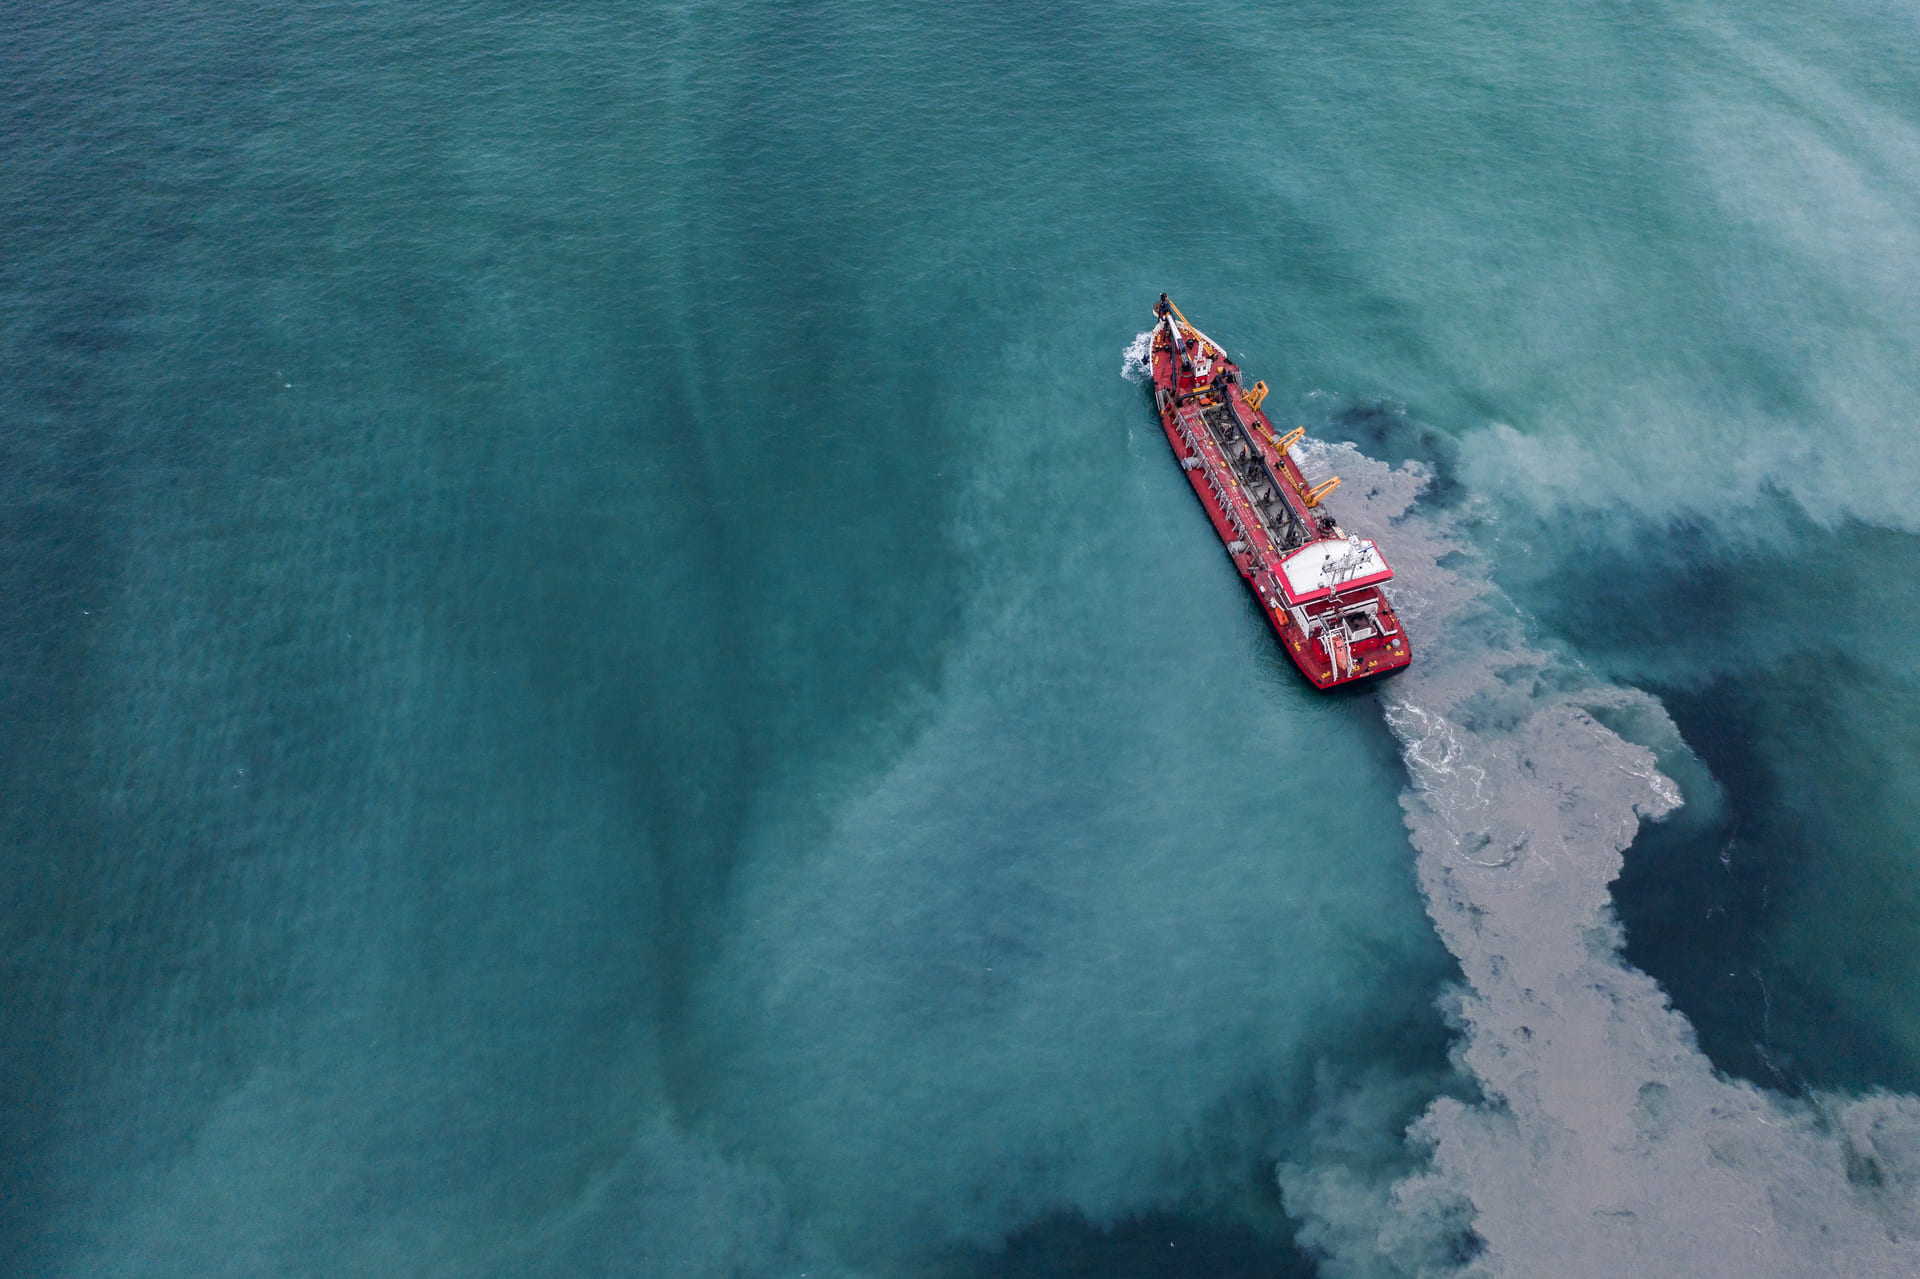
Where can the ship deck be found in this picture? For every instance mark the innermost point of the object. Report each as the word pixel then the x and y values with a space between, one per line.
pixel 1319 589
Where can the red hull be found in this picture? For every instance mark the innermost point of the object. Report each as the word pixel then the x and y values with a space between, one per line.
pixel 1319 588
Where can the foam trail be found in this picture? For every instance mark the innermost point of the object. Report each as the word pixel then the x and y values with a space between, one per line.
pixel 1605 1143
pixel 1136 362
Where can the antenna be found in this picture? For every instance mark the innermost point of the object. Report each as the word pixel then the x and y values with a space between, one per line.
pixel 1342 569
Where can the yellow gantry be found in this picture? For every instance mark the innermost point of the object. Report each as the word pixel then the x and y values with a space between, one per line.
pixel 1253 398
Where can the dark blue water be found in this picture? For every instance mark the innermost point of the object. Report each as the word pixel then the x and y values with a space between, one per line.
pixel 602 674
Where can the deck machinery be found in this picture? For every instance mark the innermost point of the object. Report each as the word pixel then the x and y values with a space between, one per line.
pixel 1318 585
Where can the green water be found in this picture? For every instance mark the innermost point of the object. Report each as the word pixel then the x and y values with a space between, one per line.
pixel 602 673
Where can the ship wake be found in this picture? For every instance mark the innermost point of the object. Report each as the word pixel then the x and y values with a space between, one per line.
pixel 1136 362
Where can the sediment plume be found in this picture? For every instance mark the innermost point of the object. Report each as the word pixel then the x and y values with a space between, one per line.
pixel 1604 1140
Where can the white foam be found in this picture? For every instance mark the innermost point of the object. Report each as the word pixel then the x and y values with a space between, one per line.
pixel 1135 361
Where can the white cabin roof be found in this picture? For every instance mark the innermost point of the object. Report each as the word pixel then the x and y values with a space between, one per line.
pixel 1320 568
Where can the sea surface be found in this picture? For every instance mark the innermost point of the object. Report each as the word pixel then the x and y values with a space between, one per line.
pixel 604 670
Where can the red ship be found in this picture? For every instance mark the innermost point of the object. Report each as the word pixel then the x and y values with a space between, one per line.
pixel 1319 586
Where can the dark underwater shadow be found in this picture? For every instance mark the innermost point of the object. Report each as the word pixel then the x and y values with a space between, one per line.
pixel 1160 1245
pixel 1702 904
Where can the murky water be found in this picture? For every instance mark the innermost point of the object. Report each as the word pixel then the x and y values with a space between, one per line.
pixel 601 676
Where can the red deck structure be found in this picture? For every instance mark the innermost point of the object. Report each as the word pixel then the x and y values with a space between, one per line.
pixel 1319 586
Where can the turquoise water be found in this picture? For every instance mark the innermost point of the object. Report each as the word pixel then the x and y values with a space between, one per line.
pixel 604 673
